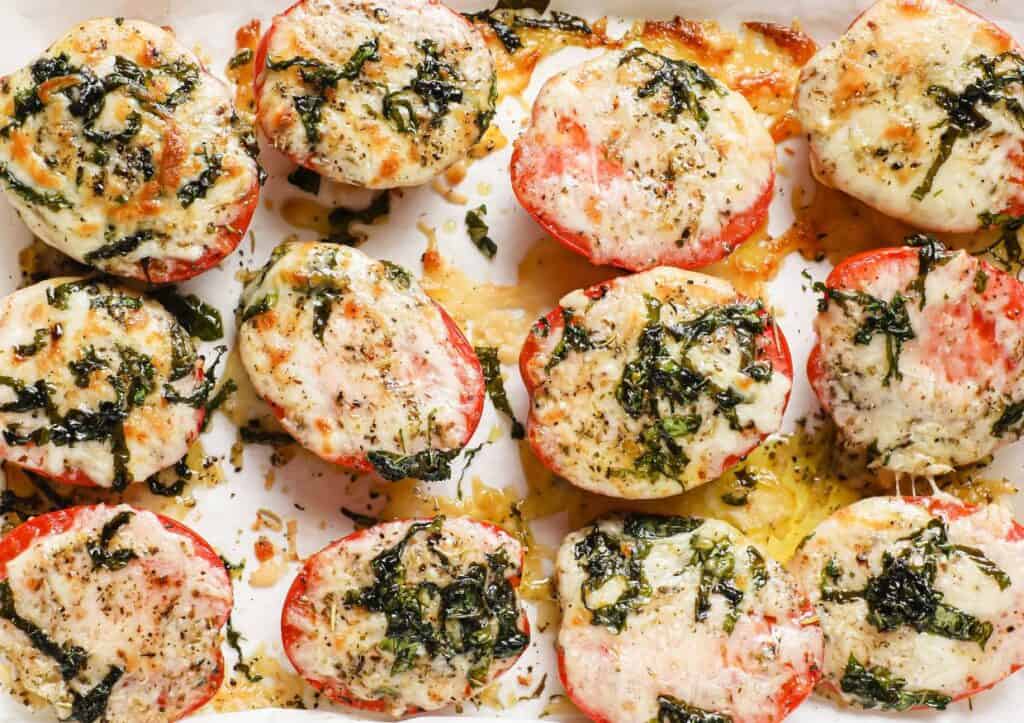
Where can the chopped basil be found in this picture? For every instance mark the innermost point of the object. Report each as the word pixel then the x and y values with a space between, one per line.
pixel 49 199
pixel 90 707
pixel 653 527
pixel 434 87
pixel 99 549
pixel 234 639
pixel 116 304
pixel 716 562
pixel 305 180
pixel 120 247
pixel 342 219
pixel 1006 250
pixel 309 108
pixel 181 473
pixel 430 465
pixel 743 484
pixel 931 253
pixel 69 658
pixel 904 594
pixel 323 300
pixel 878 687
pixel 228 388
pixel 198 187
pixel 477 228
pixel 678 78
pixel 261 306
pixel 187 76
pixel 242 57
pixel 608 559
pixel 1011 416
pixel 82 368
pixel 477 614
pixel 39 339
pixel 562 22
pixel 575 337
pixel 491 365
pixel 360 520
pixel 197 317
pixel 889 318
pixel 962 114
pixel 396 274
pixel 673 710
pixel 183 353
pixel 132 126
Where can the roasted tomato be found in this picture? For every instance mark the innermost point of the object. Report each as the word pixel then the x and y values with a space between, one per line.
pixel 113 613
pixel 361 366
pixel 680 619
pixel 408 615
pixel 118 149
pixel 916 112
pixel 652 384
pixel 921 599
pixel 101 386
pixel 378 95
pixel 920 357
pixel 636 160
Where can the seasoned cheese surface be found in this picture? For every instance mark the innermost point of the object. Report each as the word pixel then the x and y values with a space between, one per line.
pixel 926 376
pixel 146 619
pixel 640 160
pixel 100 385
pixel 376 94
pixel 662 614
pixel 355 357
pixel 652 384
pixel 348 631
pixel 121 151
pixel 916 112
pixel 925 590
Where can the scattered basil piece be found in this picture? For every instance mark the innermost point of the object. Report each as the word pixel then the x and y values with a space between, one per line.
pixel 478 230
pixel 491 365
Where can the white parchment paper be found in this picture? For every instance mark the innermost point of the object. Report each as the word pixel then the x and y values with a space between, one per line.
pixel 312 492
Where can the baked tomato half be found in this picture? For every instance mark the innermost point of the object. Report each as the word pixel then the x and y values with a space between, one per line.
pixel 921 599
pixel 148 171
pixel 409 615
pixel 360 365
pixel 920 357
pixel 112 613
pixel 652 384
pixel 681 618
pixel 101 385
pixel 901 112
pixel 376 95
pixel 637 160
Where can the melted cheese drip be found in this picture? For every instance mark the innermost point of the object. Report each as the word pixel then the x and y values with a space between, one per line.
pixel 241 75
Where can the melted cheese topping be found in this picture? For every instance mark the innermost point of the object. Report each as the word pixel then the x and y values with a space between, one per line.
pixel 384 127
pixel 875 127
pixel 103 337
pixel 339 645
pixel 752 673
pixel 605 161
pixel 858 536
pixel 579 426
pixel 165 159
pixel 385 375
pixel 954 379
pixel 158 618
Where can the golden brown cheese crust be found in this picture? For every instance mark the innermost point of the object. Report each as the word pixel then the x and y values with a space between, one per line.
pixel 915 111
pixel 121 151
pixel 376 94
pixel 88 372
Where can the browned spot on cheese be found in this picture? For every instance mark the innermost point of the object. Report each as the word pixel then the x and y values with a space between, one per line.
pixel 26 159
pixel 914 7
pixel 389 166
pixel 762 61
pixel 146 203
pixel 172 156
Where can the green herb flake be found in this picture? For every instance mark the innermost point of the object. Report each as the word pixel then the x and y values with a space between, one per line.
pixel 878 687
pixel 430 465
pixel 495 383
pixel 342 220
pixel 673 710
pixel 679 79
pixel 478 230
pixel 305 180
pixel 99 549
pixel 198 318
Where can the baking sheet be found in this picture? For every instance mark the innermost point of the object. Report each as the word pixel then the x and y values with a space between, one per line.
pixel 312 492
